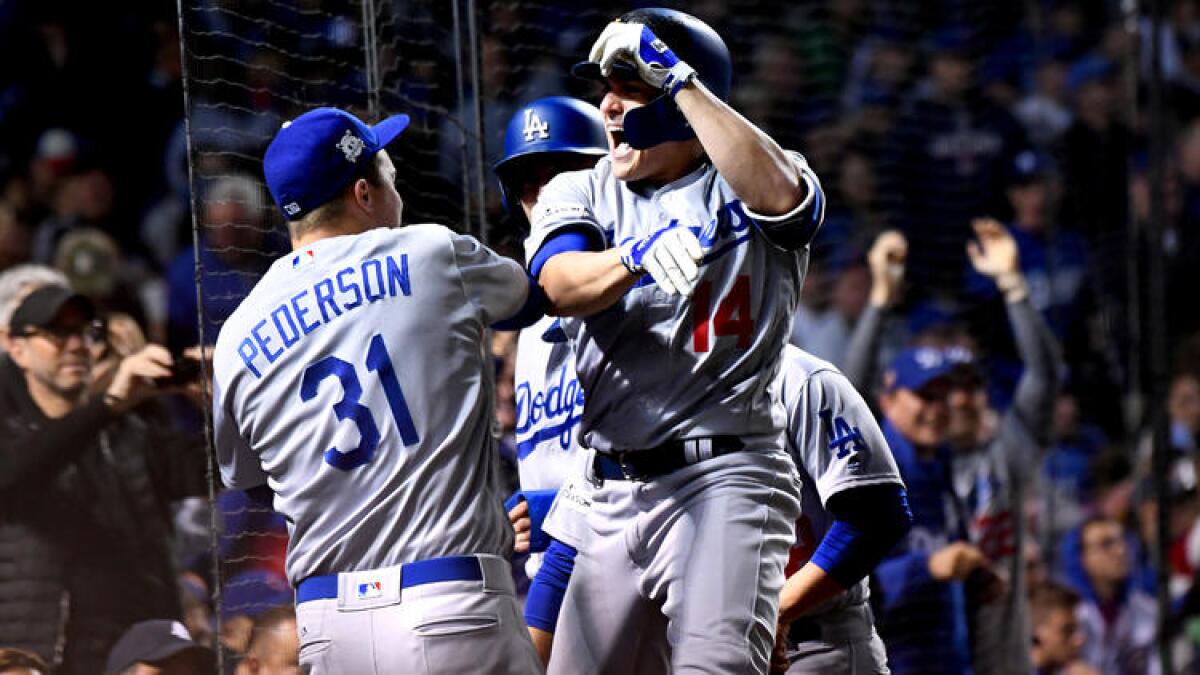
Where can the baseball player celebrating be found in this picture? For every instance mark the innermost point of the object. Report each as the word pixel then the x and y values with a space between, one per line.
pixel 680 255
pixel 545 138
pixel 854 509
pixel 352 382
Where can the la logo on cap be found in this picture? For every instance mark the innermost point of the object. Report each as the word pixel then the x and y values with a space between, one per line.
pixel 351 146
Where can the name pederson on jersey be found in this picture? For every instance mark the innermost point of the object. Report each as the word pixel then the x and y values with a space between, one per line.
pixel 657 367
pixel 836 444
pixel 353 380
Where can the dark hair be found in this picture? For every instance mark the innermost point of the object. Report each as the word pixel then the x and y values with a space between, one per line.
pixel 270 620
pixel 19 658
pixel 1050 596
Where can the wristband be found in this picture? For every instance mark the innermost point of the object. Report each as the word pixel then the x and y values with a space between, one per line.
pixel 1013 286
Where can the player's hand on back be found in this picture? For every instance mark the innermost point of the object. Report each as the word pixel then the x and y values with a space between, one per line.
pixel 779 657
pixel 955 561
pixel 522 526
pixel 886 259
pixel 671 256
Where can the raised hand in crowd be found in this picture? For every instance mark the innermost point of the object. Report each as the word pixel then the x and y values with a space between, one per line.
pixel 994 254
pixel 886 259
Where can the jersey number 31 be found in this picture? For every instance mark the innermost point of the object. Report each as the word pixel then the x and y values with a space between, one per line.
pixel 349 407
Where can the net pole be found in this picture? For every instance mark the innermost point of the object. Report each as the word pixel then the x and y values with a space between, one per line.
pixel 210 468
pixel 371 47
pixel 1157 334
pixel 460 80
pixel 480 140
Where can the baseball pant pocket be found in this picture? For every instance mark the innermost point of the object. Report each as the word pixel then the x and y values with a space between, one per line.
pixel 459 643
pixel 313 658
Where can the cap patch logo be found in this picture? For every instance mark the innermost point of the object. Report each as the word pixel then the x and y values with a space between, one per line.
pixel 292 208
pixel 351 146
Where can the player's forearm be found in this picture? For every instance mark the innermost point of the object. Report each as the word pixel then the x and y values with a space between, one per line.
pixel 578 283
pixel 543 641
pixel 761 174
pixel 806 590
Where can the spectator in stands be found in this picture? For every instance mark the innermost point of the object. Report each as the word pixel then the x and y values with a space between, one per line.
pixel 1044 111
pixel 158 647
pixel 1057 635
pixel 823 330
pixel 1069 479
pixel 923 618
pixel 947 158
pixel 85 488
pixel 244 598
pixel 14 238
pixel 991 453
pixel 235 250
pixel 15 284
pixel 274 645
pixel 85 198
pixel 21 662
pixel 1118 618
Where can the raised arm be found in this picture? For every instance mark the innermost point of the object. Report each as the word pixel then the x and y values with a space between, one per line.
pixel 886 260
pixel 995 255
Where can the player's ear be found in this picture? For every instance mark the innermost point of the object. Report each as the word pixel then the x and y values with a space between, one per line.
pixel 361 193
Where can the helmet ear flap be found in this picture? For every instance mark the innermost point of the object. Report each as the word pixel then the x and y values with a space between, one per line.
pixel 659 121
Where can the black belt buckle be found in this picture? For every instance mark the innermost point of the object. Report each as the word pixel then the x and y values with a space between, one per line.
pixel 628 470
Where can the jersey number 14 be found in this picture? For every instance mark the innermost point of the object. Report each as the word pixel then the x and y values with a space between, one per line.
pixel 732 314
pixel 349 408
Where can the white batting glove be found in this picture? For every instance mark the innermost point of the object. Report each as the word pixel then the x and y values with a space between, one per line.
pixel 671 256
pixel 638 46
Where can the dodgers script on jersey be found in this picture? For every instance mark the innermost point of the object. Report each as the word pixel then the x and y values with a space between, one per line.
pixel 836 445
pixel 676 367
pixel 549 405
pixel 353 382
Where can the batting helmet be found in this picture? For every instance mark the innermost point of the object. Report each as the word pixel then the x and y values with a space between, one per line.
pixel 555 124
pixel 693 41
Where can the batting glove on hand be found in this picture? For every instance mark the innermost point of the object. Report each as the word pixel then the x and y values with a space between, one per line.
pixel 671 256
pixel 638 46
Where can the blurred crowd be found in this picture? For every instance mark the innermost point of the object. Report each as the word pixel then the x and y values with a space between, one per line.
pixel 919 117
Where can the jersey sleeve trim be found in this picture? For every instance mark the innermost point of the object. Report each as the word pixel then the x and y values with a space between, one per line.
pixel 796 228
pixel 565 239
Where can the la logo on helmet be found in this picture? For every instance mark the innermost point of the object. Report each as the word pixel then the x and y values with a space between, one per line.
pixel 535 126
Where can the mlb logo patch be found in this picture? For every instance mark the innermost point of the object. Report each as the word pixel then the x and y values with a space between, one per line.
pixel 303 259
pixel 369 590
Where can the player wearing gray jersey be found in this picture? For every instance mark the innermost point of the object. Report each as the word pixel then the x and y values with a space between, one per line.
pixel 853 509
pixel 679 259
pixel 352 382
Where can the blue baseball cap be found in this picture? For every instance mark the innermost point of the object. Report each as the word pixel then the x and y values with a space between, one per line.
pixel 916 367
pixel 320 152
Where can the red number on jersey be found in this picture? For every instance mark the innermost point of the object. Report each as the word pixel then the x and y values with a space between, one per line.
pixel 732 316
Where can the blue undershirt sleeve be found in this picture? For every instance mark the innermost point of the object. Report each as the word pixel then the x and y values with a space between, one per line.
pixel 549 586
pixel 562 242
pixel 868 522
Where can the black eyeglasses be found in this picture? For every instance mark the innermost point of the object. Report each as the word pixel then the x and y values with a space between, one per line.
pixel 93 333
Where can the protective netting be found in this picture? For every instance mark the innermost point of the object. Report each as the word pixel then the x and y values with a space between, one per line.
pixel 917 116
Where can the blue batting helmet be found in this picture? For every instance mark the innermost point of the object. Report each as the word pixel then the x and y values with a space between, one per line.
pixel 693 41
pixel 555 124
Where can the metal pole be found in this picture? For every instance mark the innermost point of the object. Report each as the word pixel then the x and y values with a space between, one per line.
pixel 205 377
pixel 460 79
pixel 1156 331
pixel 370 46
pixel 480 141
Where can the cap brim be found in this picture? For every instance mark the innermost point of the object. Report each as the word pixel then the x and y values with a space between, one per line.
pixel 387 130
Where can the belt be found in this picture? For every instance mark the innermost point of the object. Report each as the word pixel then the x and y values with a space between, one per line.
pixel 643 465
pixel 804 630
pixel 451 568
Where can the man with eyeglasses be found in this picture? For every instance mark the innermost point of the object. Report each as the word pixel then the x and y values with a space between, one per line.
pixel 1118 617
pixel 85 487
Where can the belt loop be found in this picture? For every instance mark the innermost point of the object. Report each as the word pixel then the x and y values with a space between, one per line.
pixel 497 574
pixel 706 449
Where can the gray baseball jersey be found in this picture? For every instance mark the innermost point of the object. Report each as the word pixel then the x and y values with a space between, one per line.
pixel 354 382
pixel 549 405
pixel 836 444
pixel 658 367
